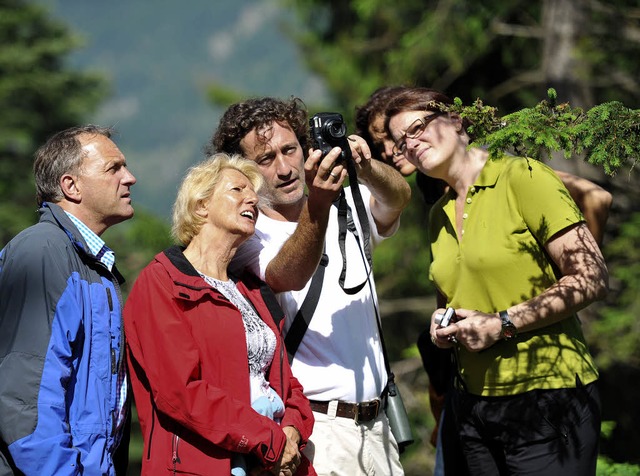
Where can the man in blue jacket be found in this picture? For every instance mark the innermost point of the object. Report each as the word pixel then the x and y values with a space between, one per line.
pixel 63 387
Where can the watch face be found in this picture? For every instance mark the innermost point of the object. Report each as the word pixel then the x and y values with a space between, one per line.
pixel 508 331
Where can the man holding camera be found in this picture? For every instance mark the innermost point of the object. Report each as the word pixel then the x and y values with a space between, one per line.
pixel 338 355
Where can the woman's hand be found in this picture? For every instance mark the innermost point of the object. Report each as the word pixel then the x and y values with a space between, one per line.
pixel 473 329
pixel 477 330
pixel 290 458
pixel 439 337
pixel 291 455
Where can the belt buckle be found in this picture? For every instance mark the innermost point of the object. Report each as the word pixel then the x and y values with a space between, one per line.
pixel 375 403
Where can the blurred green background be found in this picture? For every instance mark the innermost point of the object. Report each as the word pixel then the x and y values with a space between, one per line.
pixel 162 72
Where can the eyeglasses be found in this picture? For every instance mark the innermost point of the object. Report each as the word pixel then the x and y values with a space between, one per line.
pixel 416 128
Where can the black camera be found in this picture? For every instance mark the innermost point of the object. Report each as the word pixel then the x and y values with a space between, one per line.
pixel 443 320
pixel 328 130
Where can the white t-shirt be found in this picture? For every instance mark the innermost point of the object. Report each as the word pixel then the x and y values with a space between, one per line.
pixel 340 356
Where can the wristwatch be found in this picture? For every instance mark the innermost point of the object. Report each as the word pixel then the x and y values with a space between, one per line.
pixel 509 330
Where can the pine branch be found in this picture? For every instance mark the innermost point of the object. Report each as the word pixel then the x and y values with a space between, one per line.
pixel 610 133
pixel 607 135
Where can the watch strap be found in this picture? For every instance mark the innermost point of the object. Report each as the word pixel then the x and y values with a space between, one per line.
pixel 508 330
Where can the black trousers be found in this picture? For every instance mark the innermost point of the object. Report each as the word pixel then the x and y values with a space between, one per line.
pixel 542 432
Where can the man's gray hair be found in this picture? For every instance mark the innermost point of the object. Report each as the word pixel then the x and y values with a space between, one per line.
pixel 61 154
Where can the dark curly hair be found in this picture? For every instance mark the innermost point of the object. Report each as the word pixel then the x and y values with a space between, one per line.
pixel 255 113
pixel 376 104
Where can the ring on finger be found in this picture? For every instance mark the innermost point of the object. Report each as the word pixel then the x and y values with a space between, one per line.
pixel 333 175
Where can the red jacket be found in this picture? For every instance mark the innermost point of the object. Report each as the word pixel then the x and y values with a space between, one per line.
pixel 189 370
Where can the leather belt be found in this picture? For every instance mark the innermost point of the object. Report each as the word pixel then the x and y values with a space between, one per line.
pixel 365 411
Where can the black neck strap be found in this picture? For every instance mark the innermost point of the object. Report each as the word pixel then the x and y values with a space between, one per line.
pixel 346 223
pixel 307 309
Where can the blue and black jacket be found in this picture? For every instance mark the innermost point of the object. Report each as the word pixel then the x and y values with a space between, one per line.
pixel 61 343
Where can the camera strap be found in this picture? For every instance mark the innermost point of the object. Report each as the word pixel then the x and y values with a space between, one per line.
pixel 305 313
pixel 346 223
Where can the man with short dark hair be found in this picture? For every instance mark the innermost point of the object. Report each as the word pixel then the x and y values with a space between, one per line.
pixel 339 359
pixel 63 387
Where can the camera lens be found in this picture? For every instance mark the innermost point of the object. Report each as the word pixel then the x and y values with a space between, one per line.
pixel 336 129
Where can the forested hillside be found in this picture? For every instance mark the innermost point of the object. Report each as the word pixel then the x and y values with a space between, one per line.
pixel 159 57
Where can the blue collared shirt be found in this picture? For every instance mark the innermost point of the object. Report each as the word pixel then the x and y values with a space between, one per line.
pixel 97 246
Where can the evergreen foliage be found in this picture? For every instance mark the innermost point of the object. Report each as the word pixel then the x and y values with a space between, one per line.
pixel 39 95
pixel 608 467
pixel 607 135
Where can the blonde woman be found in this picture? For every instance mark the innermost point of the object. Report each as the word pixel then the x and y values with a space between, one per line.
pixel 204 345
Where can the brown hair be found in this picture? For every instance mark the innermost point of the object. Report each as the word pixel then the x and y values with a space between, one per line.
pixel 415 99
pixel 243 117
pixel 375 105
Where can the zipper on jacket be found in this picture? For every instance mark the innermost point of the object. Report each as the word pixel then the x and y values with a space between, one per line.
pixel 117 362
pixel 282 357
pixel 110 299
pixel 114 423
pixel 175 458
pixel 113 351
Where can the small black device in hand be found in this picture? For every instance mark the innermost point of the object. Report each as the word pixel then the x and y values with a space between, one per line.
pixel 443 320
pixel 328 130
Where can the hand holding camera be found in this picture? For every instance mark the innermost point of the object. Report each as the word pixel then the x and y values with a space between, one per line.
pixel 443 320
pixel 328 130
pixel 326 164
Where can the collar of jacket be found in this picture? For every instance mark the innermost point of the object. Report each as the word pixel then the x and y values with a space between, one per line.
pixel 55 214
pixel 191 286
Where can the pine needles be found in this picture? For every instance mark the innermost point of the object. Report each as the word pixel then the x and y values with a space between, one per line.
pixel 606 135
